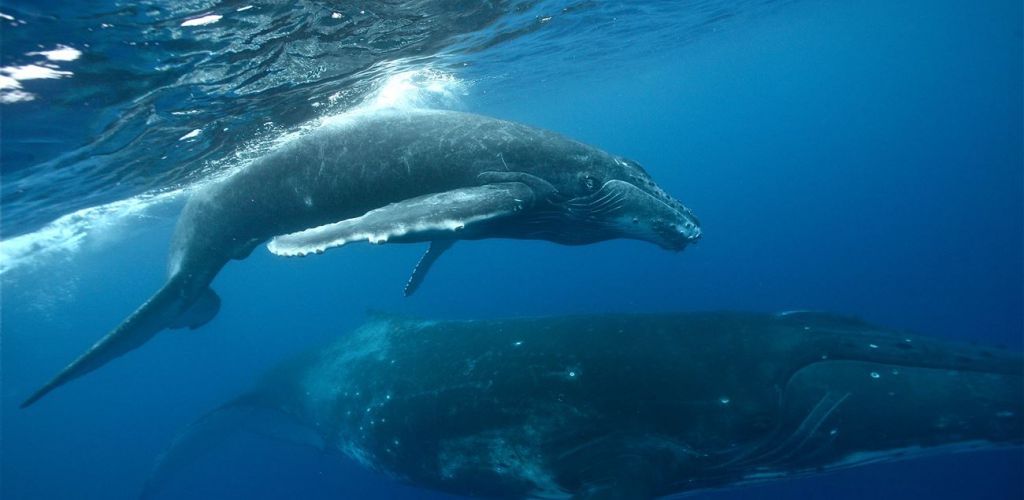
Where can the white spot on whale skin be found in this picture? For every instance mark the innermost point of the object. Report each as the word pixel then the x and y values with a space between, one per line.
pixel 724 400
pixel 202 21
pixel 873 346
pixel 191 135
pixel 875 375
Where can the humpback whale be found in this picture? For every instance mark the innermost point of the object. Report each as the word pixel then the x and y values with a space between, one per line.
pixel 396 176
pixel 624 406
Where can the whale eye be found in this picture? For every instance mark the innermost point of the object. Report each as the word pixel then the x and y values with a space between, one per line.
pixel 590 183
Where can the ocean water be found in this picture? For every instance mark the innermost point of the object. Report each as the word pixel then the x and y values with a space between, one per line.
pixel 857 157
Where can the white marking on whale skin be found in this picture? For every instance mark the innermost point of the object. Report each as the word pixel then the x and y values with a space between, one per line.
pixel 292 246
pixel 514 452
pixel 317 240
pixel 371 341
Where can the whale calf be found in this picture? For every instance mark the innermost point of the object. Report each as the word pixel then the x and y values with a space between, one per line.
pixel 397 176
pixel 624 406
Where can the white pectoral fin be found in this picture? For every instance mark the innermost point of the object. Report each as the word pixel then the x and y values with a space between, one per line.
pixel 436 216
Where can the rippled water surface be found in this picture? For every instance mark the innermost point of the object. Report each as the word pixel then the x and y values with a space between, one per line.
pixel 857 157
pixel 107 101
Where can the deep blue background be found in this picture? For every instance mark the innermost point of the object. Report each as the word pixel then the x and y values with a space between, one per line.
pixel 862 158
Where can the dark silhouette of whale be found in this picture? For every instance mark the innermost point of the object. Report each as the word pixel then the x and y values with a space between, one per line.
pixel 625 406
pixel 402 176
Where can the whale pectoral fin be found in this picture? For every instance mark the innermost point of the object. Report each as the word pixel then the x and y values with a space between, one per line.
pixel 419 272
pixel 432 217
pixel 199 313
pixel 248 414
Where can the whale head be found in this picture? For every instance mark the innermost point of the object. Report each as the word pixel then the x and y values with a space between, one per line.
pixel 613 198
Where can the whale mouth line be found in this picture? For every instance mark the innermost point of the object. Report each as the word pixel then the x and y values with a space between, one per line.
pixel 603 202
pixel 668 226
pixel 782 445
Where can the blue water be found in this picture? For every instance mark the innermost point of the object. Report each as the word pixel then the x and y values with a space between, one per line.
pixel 857 157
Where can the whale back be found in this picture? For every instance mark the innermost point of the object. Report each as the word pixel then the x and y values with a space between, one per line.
pixel 349 166
pixel 643 405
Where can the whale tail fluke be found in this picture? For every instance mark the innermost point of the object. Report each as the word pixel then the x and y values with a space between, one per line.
pixel 171 307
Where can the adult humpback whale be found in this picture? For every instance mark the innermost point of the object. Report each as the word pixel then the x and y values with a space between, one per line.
pixel 630 406
pixel 397 176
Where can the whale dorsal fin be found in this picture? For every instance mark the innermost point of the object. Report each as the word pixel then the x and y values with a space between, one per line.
pixel 432 217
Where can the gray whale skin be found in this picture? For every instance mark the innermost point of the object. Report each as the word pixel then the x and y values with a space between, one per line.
pixel 401 176
pixel 626 406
